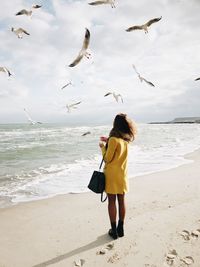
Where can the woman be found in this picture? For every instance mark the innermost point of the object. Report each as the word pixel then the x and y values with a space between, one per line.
pixel 115 153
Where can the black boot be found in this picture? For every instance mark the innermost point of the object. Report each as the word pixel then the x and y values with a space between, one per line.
pixel 113 231
pixel 120 228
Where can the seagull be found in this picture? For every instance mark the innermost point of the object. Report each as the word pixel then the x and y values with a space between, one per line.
pixel 116 96
pixel 142 78
pixel 29 118
pixel 28 12
pixel 144 26
pixel 100 2
pixel 36 6
pixel 197 79
pixel 83 51
pixel 19 32
pixel 84 134
pixel 69 83
pixel 4 69
pixel 72 106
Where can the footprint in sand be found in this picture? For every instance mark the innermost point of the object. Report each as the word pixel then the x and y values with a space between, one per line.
pixel 105 249
pixel 187 260
pixel 185 234
pixel 171 256
pixel 195 233
pixel 79 262
pixel 115 257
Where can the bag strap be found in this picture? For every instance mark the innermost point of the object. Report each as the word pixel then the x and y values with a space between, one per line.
pixel 103 200
pixel 100 164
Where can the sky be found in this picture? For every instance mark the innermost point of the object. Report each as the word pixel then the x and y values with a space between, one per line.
pixel 168 55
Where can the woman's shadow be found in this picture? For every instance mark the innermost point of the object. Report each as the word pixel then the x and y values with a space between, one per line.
pixel 101 240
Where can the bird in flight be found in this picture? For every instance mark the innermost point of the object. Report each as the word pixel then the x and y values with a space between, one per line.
pixel 69 83
pixel 116 96
pixel 28 12
pixel 30 119
pixel 19 32
pixel 4 69
pixel 144 26
pixel 86 133
pixel 101 2
pixel 197 79
pixel 83 51
pixel 142 78
pixel 72 106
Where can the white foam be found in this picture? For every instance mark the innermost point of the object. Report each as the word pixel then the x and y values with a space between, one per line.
pixel 158 147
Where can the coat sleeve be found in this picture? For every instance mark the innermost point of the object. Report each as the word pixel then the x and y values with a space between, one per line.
pixel 108 153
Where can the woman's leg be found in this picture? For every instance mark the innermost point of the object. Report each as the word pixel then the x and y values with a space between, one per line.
pixel 112 211
pixel 122 206
pixel 122 213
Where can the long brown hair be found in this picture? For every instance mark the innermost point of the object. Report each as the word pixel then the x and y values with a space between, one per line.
pixel 123 128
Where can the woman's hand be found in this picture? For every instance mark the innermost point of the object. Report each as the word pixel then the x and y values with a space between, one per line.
pixel 101 144
pixel 104 138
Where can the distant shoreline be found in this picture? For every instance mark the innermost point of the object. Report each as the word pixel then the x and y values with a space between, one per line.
pixel 179 120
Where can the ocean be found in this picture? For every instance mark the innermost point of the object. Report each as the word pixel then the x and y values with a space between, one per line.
pixel 41 161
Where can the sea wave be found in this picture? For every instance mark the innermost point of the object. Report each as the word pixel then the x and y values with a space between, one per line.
pixel 43 162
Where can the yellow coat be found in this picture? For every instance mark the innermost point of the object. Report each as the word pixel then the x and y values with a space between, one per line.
pixel 115 169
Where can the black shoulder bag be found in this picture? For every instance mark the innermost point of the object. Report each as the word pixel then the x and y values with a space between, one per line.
pixel 97 182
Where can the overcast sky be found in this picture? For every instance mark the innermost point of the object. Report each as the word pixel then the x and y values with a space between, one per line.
pixel 168 56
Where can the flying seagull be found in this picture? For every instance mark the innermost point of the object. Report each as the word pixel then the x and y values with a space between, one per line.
pixel 69 83
pixel 101 2
pixel 36 6
pixel 197 79
pixel 29 118
pixel 72 106
pixel 142 78
pixel 144 26
pixel 4 69
pixel 28 12
pixel 84 134
pixel 83 51
pixel 19 32
pixel 116 96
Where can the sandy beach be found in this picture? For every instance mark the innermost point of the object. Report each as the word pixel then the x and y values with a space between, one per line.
pixel 161 227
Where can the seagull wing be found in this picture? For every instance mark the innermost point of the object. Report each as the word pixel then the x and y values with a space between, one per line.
pixel 75 104
pixel 197 79
pixel 151 21
pixel 121 98
pixel 100 2
pixel 77 60
pixel 86 40
pixel 66 85
pixel 135 69
pixel 83 49
pixel 22 12
pixel 136 27
pixel 148 82
pixel 84 134
pixel 8 72
pixel 22 30
pixel 116 96
pixel 109 93
pixel 28 117
pixel 4 69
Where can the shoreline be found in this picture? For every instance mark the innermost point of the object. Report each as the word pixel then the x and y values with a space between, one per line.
pixel 63 229
pixel 7 202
